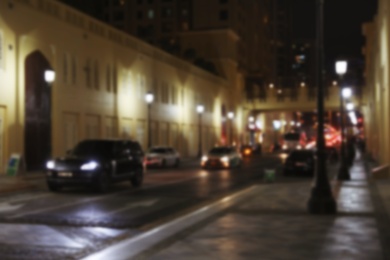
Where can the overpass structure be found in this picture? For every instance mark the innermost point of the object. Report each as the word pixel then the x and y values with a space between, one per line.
pixel 301 99
pixel 285 106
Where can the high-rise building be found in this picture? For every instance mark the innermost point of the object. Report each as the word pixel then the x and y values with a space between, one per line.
pixel 166 24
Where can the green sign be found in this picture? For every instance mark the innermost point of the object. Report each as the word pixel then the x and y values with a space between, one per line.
pixel 269 175
pixel 13 165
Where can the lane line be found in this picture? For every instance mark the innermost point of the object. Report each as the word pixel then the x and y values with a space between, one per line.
pixel 132 247
pixel 102 197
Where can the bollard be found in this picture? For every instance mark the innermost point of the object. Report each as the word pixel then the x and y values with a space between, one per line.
pixel 269 175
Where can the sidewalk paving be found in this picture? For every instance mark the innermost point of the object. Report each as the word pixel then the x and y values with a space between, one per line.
pixel 275 224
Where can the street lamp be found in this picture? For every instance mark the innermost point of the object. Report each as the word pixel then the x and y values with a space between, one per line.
pixel 149 97
pixel 276 124
pixel 321 200
pixel 231 116
pixel 343 173
pixel 200 110
pixel 50 76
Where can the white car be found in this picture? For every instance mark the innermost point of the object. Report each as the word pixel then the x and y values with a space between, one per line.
pixel 162 156
pixel 222 157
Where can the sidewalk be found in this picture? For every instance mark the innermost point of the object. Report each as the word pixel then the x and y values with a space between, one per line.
pixel 275 224
pixel 20 182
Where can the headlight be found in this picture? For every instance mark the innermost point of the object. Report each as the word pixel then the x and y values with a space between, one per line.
pixel 89 166
pixel 225 159
pixel 284 146
pixel 299 147
pixel 50 165
pixel 204 158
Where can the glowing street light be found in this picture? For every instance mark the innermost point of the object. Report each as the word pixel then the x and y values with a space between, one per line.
pixel 149 97
pixel 230 115
pixel 343 173
pixel 50 76
pixel 200 110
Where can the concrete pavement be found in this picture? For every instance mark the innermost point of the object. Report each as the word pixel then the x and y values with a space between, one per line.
pixel 274 224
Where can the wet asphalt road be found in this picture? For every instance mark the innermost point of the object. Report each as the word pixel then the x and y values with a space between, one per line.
pixel 43 225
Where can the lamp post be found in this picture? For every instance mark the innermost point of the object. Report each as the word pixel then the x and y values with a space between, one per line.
pixel 276 124
pixel 251 120
pixel 343 173
pixel 321 200
pixel 50 76
pixel 149 97
pixel 200 110
pixel 231 116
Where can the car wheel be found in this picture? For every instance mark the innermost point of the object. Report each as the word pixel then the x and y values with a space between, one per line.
pixel 138 178
pixel 53 186
pixel 102 182
pixel 177 162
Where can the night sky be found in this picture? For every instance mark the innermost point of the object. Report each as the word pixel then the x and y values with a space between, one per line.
pixel 342 25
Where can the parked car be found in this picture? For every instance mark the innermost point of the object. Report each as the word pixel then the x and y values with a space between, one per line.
pixel 300 162
pixel 222 157
pixel 97 163
pixel 162 156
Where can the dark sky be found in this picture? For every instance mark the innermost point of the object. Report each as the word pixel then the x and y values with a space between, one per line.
pixel 342 24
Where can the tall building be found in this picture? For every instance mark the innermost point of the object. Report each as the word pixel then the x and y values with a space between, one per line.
pixel 166 24
pixel 303 63
pixel 281 43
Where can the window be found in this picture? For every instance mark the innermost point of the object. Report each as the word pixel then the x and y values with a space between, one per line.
pixel 74 70
pixel 167 27
pixel 65 68
pixel 118 16
pixel 223 15
pixel 184 26
pixel 173 95
pixel 151 14
pixel 108 78
pixel 223 1
pixel 184 12
pixel 96 74
pixel 166 12
pixel 140 15
pixel 87 70
pixel 114 79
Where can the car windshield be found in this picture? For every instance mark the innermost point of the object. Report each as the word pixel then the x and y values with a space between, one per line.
pixel 157 150
pixel 220 150
pixel 300 155
pixel 93 148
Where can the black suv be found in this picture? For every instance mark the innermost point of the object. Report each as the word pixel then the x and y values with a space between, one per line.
pixel 97 163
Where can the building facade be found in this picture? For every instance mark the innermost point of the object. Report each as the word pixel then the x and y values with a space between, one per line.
pixel 377 90
pixel 101 78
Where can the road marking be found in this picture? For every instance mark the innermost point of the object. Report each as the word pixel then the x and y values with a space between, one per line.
pixel 143 204
pixel 128 248
pixel 5 207
pixel 102 197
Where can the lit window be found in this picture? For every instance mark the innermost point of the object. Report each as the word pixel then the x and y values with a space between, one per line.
pixel 151 14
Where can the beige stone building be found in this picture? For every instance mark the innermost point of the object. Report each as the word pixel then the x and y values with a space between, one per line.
pixel 101 78
pixel 377 90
